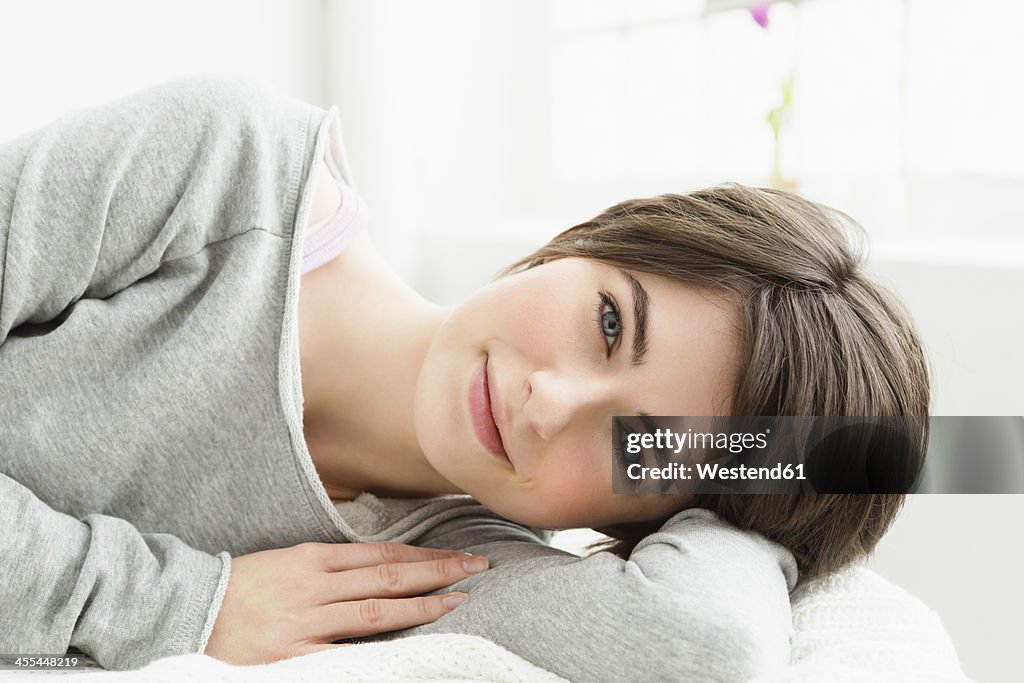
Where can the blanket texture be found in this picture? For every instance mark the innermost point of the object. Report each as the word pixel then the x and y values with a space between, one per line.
pixel 857 626
pixel 433 658
pixel 851 626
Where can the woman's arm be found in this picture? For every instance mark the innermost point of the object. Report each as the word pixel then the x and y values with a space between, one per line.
pixel 699 600
pixel 98 584
pixel 127 598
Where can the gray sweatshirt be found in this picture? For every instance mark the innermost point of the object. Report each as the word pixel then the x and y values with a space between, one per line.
pixel 151 418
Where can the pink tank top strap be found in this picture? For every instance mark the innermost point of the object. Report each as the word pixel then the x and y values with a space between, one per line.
pixel 331 239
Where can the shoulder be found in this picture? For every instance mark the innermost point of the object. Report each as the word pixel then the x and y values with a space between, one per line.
pixel 252 111
pixel 218 90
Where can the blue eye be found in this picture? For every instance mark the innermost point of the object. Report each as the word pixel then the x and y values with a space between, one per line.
pixel 624 449
pixel 608 320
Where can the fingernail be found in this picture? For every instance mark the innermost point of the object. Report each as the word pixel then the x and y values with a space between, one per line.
pixel 474 564
pixel 453 600
pixel 467 553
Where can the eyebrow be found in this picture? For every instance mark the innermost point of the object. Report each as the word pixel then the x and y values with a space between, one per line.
pixel 641 303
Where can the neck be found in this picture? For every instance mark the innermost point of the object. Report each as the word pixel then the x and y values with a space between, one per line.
pixel 359 381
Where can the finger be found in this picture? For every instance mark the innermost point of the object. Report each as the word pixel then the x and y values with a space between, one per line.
pixel 401 579
pixel 379 615
pixel 343 556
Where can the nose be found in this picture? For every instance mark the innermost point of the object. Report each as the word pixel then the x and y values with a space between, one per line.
pixel 557 401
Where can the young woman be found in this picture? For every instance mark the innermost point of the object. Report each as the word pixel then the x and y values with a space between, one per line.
pixel 207 366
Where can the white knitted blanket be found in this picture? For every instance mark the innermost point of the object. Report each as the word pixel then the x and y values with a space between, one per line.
pixel 851 626
pixel 433 658
pixel 857 626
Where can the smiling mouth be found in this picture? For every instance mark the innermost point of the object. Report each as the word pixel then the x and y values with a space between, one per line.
pixel 482 413
pixel 495 407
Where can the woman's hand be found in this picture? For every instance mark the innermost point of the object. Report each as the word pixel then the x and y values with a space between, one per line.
pixel 289 602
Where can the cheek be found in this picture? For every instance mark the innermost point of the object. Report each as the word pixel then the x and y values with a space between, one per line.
pixel 576 488
pixel 540 322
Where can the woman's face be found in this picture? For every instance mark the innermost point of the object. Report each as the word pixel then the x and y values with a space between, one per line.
pixel 557 351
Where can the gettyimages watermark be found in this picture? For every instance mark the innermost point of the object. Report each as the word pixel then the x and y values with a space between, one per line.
pixel 823 454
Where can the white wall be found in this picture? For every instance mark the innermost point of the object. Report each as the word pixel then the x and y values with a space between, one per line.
pixel 962 556
pixel 57 55
pixel 437 108
pixel 971 318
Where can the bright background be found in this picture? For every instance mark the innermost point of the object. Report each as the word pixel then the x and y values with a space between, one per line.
pixel 478 129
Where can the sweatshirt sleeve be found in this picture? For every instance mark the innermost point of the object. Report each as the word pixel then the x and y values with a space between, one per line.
pixel 97 584
pixel 697 601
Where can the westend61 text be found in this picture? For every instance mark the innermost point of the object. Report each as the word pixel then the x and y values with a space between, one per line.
pixel 715 472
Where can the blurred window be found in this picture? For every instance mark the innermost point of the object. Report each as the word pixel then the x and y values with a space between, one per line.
pixel 905 113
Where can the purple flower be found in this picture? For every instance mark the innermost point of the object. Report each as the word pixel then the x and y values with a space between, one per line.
pixel 760 13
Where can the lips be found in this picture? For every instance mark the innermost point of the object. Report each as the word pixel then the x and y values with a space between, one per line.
pixel 482 413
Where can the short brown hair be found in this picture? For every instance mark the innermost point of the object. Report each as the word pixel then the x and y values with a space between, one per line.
pixel 819 338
